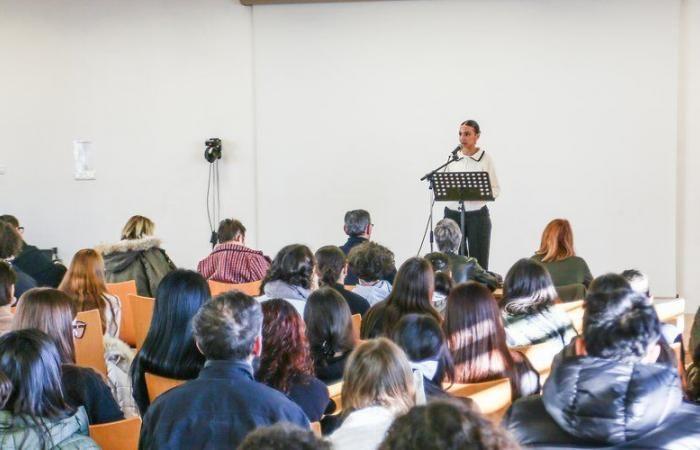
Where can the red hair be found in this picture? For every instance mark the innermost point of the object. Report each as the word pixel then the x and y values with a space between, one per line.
pixel 557 241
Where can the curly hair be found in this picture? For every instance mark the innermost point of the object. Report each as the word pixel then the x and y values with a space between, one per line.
pixel 371 261
pixel 285 355
pixel 10 240
pixel 294 264
pixel 446 425
pixel 283 436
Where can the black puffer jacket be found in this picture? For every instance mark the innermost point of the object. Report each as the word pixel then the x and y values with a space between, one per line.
pixel 596 403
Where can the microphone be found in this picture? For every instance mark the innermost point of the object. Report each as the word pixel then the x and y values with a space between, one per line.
pixel 458 148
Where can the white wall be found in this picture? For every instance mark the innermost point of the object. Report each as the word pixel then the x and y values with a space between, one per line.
pixel 344 106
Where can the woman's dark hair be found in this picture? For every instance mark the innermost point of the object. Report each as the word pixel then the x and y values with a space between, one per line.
pixel 473 124
pixel 169 349
pixel 607 283
pixel 443 283
pixel 330 262
pixel 440 261
pixel 328 324
pixel 30 381
pixel 10 240
pixel 285 351
pixel 371 261
pixel 528 288
pixel 7 279
pixel 420 336
pixel 446 425
pixel 294 265
pixel 412 293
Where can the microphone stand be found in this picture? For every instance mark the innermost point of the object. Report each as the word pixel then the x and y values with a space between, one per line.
pixel 429 176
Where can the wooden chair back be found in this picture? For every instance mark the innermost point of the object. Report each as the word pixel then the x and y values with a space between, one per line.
pixel 540 355
pixel 334 391
pixel 316 428
pixel 120 435
pixel 122 290
pixel 575 311
pixel 356 326
pixel 156 385
pixel 141 313
pixel 492 397
pixel 218 287
pixel 89 349
pixel 349 287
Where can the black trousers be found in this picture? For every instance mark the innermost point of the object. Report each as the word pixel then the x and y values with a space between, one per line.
pixel 477 233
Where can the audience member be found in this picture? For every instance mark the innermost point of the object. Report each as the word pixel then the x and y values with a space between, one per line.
pixel 33 412
pixel 224 403
pixel 85 282
pixel 463 268
pixel 285 363
pixel 137 256
pixel 371 262
pixel 33 261
pixel 607 283
pixel 7 296
pixel 290 276
pixel 10 246
pixel 377 386
pixel 329 330
pixel 527 304
pixel 231 261
pixel 169 349
pixel 610 394
pixel 693 389
pixel 443 279
pixel 51 311
pixel 446 425
pixel 283 436
pixel 412 293
pixel 570 273
pixel 358 227
pixel 331 268
pixel 422 339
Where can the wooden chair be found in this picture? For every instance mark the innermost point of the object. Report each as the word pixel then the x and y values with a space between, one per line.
pixel 349 287
pixel 122 290
pixel 671 310
pixel 492 397
pixel 89 349
pixel 540 355
pixel 356 326
pixel 120 435
pixel 575 311
pixel 316 428
pixel 156 385
pixel 334 391
pixel 141 313
pixel 218 287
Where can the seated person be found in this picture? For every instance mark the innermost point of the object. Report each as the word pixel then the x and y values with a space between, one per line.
pixel 7 296
pixel 290 276
pixel 10 246
pixel 611 393
pixel 358 226
pixel 443 279
pixel 570 273
pixel 693 389
pixel 463 268
pixel 224 403
pixel 283 436
pixel 371 262
pixel 34 262
pixel 231 261
pixel 331 268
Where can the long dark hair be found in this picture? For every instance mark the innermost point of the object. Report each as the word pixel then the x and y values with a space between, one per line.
pixel 420 336
pixel 528 288
pixel 30 381
pixel 169 349
pixel 7 279
pixel 412 293
pixel 285 351
pixel 294 265
pixel 328 324
pixel 330 262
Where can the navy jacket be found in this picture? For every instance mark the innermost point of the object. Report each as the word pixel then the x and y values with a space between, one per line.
pixel 216 410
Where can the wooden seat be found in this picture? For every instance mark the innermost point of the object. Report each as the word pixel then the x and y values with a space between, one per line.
pixel 356 326
pixel 120 435
pixel 492 397
pixel 122 290
pixel 540 355
pixel 142 313
pixel 218 287
pixel 334 391
pixel 316 428
pixel 349 287
pixel 156 385
pixel 575 311
pixel 89 349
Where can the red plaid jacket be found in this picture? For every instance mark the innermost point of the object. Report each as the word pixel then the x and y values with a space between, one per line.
pixel 234 263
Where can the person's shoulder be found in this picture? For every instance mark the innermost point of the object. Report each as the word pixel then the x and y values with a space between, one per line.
pixel 83 375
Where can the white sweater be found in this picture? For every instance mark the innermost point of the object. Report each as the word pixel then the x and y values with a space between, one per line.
pixel 363 429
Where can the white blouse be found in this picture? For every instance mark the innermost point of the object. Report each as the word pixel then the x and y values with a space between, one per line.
pixel 478 162
pixel 363 429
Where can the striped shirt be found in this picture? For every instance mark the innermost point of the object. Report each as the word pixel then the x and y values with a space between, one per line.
pixel 231 262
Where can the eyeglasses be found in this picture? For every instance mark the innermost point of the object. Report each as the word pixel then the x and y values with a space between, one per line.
pixel 79 329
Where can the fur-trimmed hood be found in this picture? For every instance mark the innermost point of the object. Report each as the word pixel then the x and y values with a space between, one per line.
pixel 129 245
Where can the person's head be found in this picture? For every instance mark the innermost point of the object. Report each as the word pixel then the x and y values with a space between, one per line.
pixel 169 346
pixel 358 223
pixel 440 262
pixel 285 349
pixel 12 220
pixel 371 261
pixel 294 265
pixel 557 241
pixel 527 288
pixel 228 327
pixel 621 325
pixel 10 240
pixel 607 283
pixel 283 436
pixel 378 373
pixel 331 265
pixel 422 339
pixel 8 278
pixel 469 133
pixel 446 425
pixel 51 311
pixel 448 236
pixel 637 280
pixel 231 230
pixel 328 324
pixel 138 227
pixel 412 292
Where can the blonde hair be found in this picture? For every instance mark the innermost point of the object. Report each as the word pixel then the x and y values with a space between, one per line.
pixel 557 241
pixel 137 227
pixel 378 373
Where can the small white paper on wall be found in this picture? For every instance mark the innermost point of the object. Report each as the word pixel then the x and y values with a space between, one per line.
pixel 82 154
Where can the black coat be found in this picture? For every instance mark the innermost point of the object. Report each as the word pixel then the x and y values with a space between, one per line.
pixel 216 410
pixel 84 386
pixel 311 394
pixel 357 303
pixel 37 265
pixel 24 281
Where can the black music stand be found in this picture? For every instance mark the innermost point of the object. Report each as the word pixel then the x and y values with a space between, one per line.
pixel 461 187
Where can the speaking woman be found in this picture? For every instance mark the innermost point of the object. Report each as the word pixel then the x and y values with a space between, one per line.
pixel 477 221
